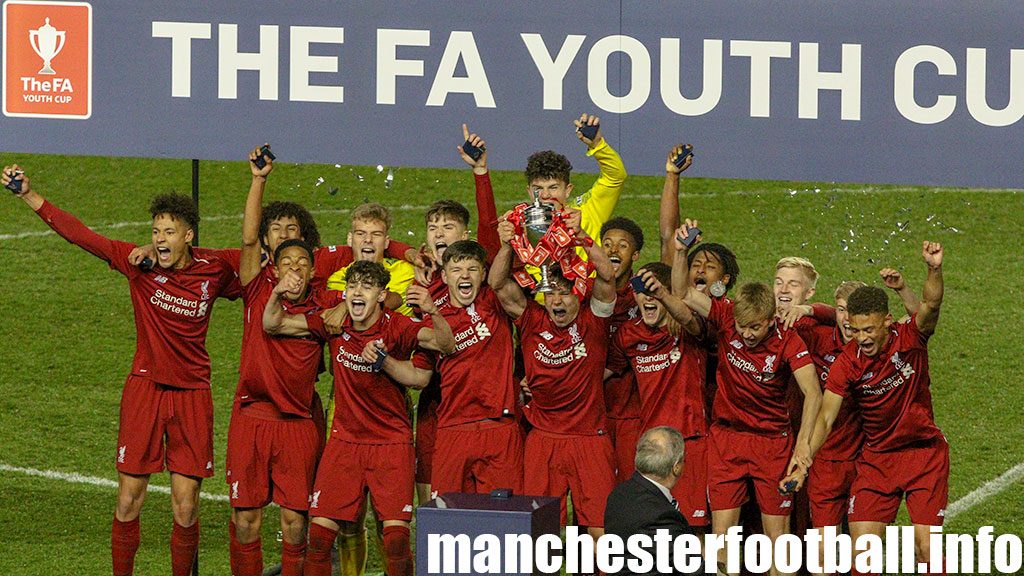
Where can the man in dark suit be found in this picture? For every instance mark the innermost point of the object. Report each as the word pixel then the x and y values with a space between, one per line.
pixel 643 504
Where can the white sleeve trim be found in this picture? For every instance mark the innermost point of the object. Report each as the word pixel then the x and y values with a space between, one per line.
pixel 602 309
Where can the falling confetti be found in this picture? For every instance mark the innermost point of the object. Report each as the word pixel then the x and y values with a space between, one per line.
pixel 337 165
pixel 333 191
pixel 411 233
pixel 319 181
pixel 844 245
pixel 930 218
pixel 852 235
pixel 360 177
pixel 379 168
pixel 792 192
pixel 390 179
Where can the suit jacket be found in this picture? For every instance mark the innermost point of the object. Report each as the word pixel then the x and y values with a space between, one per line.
pixel 638 507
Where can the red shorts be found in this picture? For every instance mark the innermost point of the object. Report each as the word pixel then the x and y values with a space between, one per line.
pixel 828 488
pixel 426 433
pixel 316 408
pixel 624 434
pixel 557 464
pixel 478 457
pixel 920 471
pixel 691 491
pixel 734 457
pixel 161 423
pixel 347 470
pixel 270 458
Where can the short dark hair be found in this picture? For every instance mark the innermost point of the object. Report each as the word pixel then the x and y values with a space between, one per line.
pixel 557 276
pixel 627 226
pixel 464 250
pixel 867 300
pixel 661 271
pixel 448 209
pixel 178 207
pixel 724 256
pixel 293 242
pixel 279 209
pixel 547 165
pixel 372 273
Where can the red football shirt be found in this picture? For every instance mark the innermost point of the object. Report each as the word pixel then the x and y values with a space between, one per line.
pixel 752 382
pixel 825 344
pixel 669 375
pixel 621 397
pixel 891 389
pixel 172 307
pixel 282 371
pixel 476 379
pixel 370 407
pixel 565 370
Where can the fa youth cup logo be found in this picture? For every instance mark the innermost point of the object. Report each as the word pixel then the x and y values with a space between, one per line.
pixel 47 59
pixel 44 42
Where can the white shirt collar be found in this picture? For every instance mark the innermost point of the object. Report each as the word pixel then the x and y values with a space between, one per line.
pixel 665 491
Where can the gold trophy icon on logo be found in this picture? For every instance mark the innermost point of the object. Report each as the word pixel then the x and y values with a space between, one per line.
pixel 44 42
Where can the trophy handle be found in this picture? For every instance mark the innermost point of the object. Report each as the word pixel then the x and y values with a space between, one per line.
pixel 63 37
pixel 32 35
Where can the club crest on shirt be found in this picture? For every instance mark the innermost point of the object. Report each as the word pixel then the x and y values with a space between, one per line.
pixel 580 350
pixel 574 332
pixel 473 316
pixel 769 364
pixel 633 312
pixel 206 290
pixel 314 500
pixel 482 331
pixel 120 454
pixel 234 490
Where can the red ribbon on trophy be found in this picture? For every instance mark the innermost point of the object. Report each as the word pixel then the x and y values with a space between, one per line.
pixel 558 244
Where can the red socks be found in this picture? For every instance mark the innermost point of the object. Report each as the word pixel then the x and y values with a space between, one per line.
pixel 246 559
pixel 184 546
pixel 292 558
pixel 124 543
pixel 397 553
pixel 318 553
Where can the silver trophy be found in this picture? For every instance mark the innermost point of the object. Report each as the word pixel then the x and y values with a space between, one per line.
pixel 537 220
pixel 44 42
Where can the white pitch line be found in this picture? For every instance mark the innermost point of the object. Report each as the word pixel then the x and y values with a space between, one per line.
pixel 985 491
pixel 76 478
pixel 410 207
pixel 975 497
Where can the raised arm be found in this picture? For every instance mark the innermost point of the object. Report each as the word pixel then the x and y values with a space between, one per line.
pixel 486 211
pixel 931 296
pixel 439 338
pixel 695 299
pixel 66 225
pixel 249 265
pixel 604 195
pixel 500 277
pixel 276 321
pixel 893 279
pixel 668 215
pixel 604 282
pixel 675 307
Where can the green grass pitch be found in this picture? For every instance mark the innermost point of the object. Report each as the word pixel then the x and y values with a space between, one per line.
pixel 66 335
